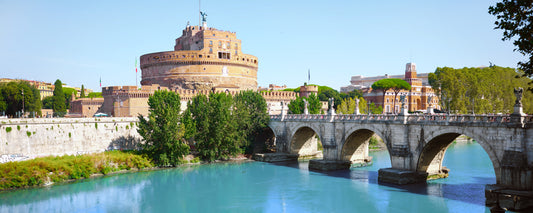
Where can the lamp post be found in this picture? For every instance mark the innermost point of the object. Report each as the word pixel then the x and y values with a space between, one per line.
pixel 23 103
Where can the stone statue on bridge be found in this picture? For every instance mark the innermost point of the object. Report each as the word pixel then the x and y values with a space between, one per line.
pixel 356 110
pixel 331 106
pixel 306 107
pixel 518 93
pixel 402 100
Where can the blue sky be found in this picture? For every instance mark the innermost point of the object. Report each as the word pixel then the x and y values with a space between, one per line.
pixel 81 41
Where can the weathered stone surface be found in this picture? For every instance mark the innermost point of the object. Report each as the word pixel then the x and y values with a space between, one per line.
pixel 328 165
pixel 401 177
pixel 499 197
pixel 30 138
pixel 274 157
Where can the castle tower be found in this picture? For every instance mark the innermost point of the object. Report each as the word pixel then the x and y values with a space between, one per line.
pixel 410 75
pixel 203 59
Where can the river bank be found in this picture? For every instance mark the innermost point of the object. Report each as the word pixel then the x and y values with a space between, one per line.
pixel 47 171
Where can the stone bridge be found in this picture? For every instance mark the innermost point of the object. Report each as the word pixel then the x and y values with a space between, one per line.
pixel 417 145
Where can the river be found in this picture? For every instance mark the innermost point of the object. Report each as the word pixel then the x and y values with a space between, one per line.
pixel 265 187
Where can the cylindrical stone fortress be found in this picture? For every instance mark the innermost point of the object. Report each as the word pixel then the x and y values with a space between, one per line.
pixel 203 58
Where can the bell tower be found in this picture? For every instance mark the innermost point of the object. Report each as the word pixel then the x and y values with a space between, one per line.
pixel 410 75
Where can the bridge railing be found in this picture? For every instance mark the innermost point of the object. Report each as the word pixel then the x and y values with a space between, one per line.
pixel 413 118
pixel 460 118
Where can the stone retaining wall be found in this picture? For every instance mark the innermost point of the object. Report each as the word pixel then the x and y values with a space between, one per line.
pixel 22 139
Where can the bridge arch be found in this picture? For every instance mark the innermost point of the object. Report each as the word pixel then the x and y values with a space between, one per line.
pixel 432 154
pixel 265 141
pixel 304 141
pixel 355 147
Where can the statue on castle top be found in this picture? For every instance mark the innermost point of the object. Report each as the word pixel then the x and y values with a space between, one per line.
pixel 204 16
pixel 518 93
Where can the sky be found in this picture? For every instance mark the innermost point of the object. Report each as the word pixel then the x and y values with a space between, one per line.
pixel 80 42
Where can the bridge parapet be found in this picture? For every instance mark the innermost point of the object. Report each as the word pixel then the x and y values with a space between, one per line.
pixel 410 119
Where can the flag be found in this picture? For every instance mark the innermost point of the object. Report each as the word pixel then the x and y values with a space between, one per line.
pixel 100 81
pixel 135 65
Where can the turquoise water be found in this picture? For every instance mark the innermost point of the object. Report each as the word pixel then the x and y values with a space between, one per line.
pixel 264 187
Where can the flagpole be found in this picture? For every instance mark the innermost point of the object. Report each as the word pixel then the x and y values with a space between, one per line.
pixel 308 75
pixel 136 82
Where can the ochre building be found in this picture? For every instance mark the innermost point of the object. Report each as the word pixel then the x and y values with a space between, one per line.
pixel 204 58
pixel 419 98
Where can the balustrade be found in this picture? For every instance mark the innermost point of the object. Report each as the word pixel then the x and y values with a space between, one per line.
pixel 410 118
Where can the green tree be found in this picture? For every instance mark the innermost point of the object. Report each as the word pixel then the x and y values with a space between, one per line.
pixel 223 128
pixel 479 90
pixel 48 102
pixel 82 93
pixel 59 99
pixel 250 112
pixel 394 84
pixel 162 131
pixel 212 126
pixel 515 18
pixel 399 85
pixel 95 95
pixel 12 98
pixel 384 85
pixel 347 106
pixel 69 94
pixel 297 106
pixel 352 94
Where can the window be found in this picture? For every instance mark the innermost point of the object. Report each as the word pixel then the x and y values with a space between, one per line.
pixel 236 46
pixel 219 43
pixel 224 55
pixel 211 43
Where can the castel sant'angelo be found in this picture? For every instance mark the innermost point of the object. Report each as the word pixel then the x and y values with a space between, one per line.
pixel 203 58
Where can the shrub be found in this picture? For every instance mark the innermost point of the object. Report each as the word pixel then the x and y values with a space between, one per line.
pixel 37 171
pixel 8 129
pixel 18 127
pixel 28 133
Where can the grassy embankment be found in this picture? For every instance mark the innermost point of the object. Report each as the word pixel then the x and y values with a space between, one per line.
pixel 48 170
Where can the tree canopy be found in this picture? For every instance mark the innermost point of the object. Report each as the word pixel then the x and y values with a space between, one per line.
pixel 515 18
pixel 482 90
pixel 297 106
pixel 394 84
pixel 82 94
pixel 11 99
pixel 59 104
pixel 162 131
pixel 221 126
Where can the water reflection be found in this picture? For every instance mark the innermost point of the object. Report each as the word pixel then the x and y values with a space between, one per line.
pixel 264 187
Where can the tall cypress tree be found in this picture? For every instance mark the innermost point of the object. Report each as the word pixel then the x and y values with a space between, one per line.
pixel 82 94
pixel 59 99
